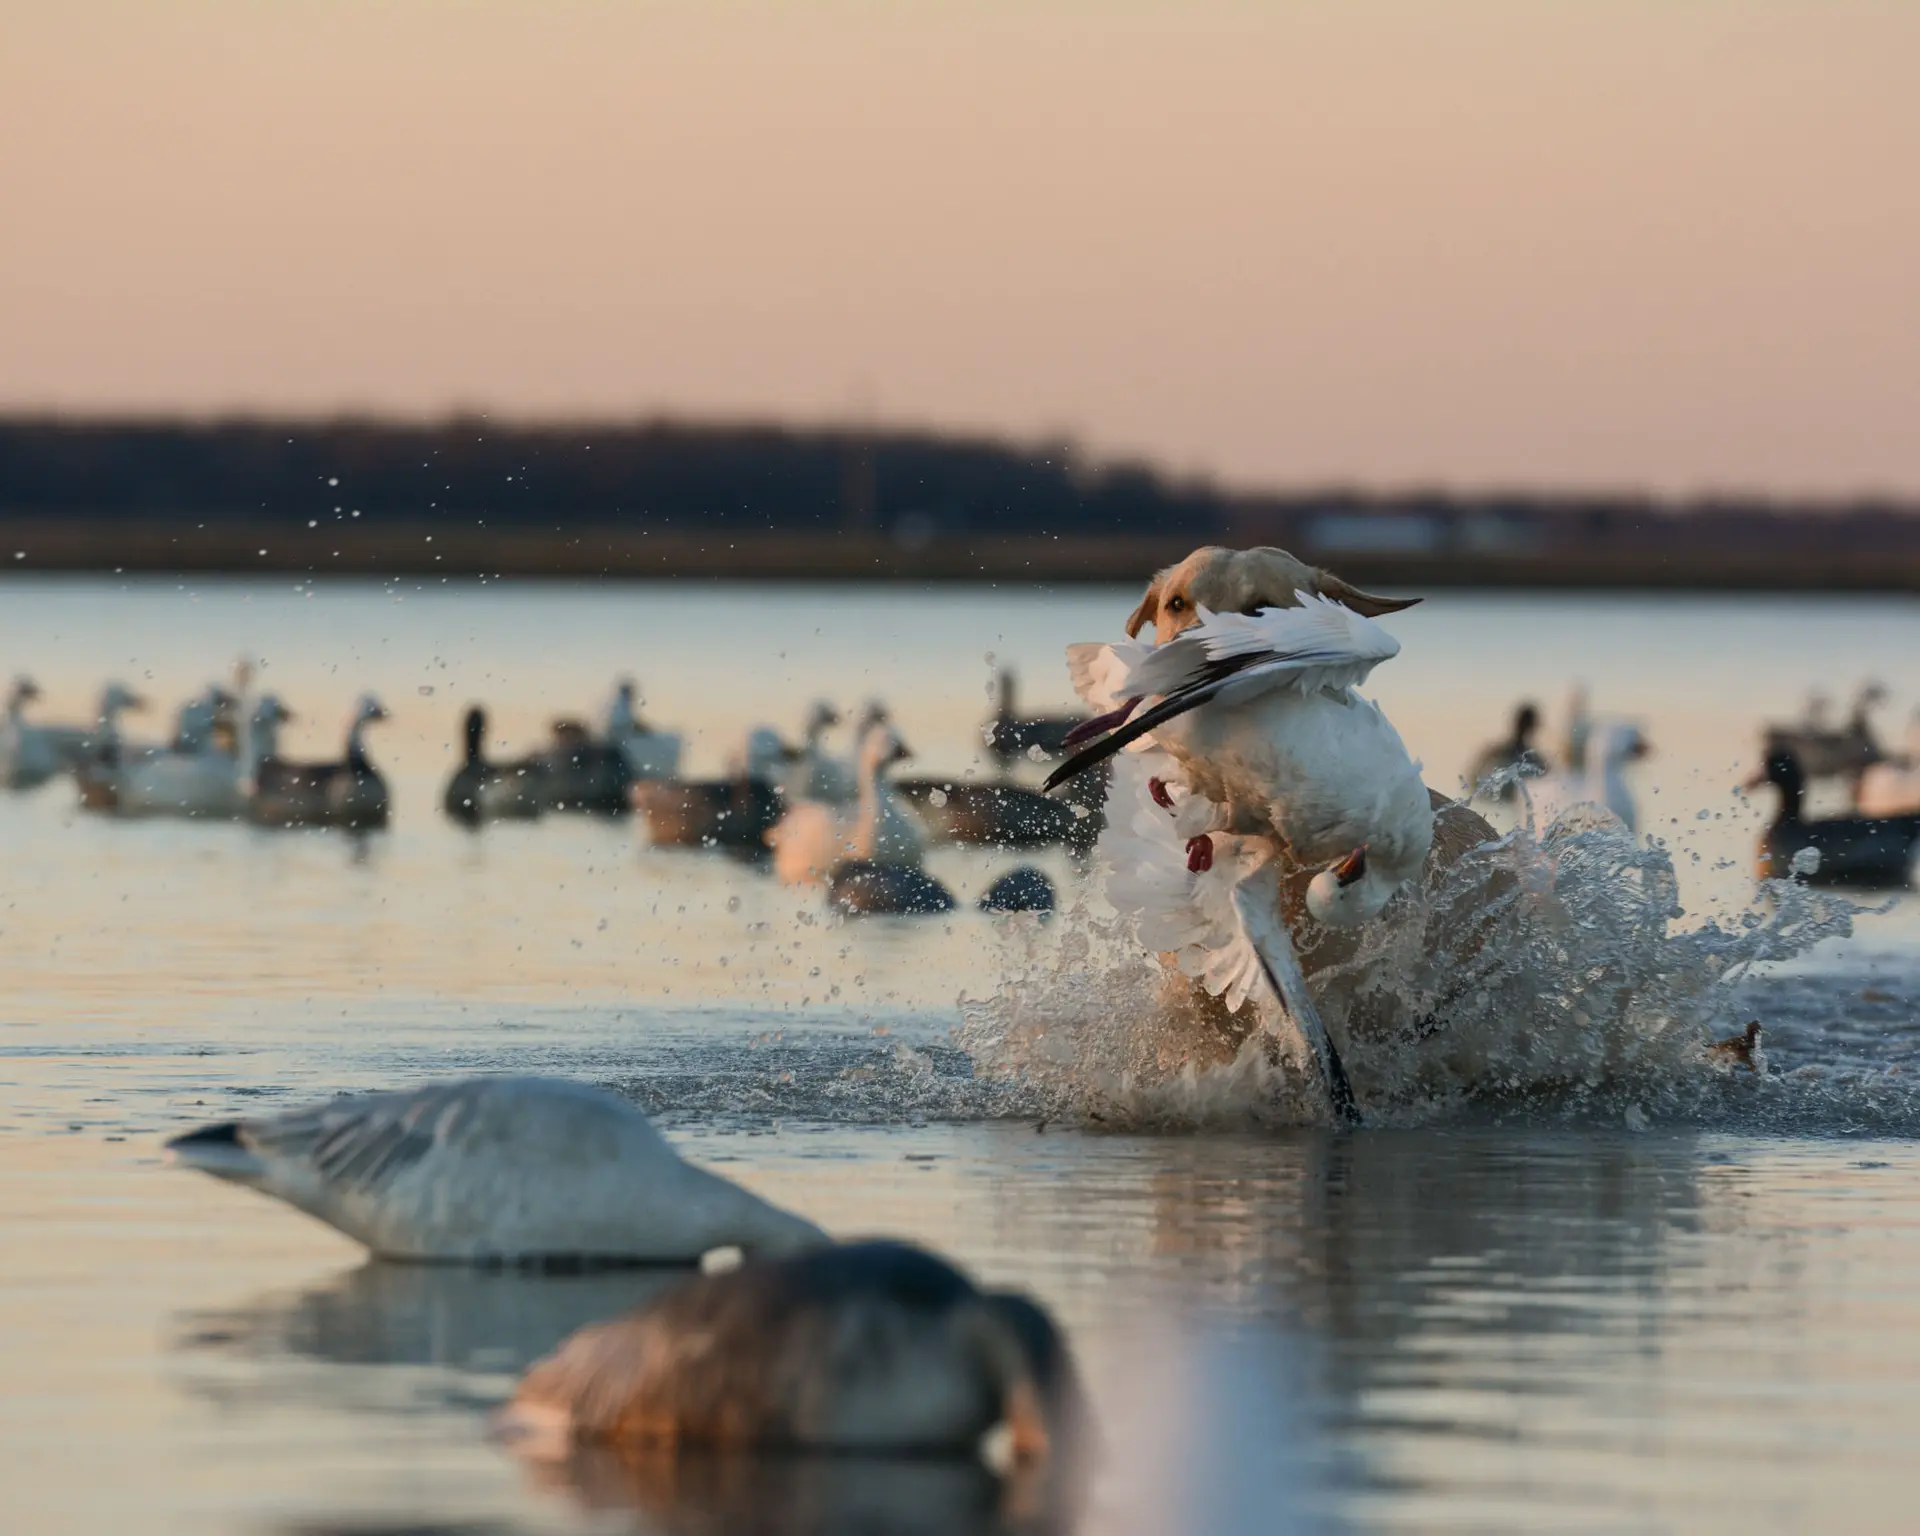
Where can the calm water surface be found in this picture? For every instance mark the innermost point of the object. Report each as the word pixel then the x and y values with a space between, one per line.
pixel 1589 1324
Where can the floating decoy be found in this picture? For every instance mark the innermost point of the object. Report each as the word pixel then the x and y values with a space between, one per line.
pixel 1025 889
pixel 494 1170
pixel 875 1347
pixel 209 782
pixel 1620 745
pixel 868 888
pixel 1823 752
pixel 815 773
pixel 1872 852
pixel 350 793
pixel 735 813
pixel 583 775
pixel 1891 787
pixel 1741 1050
pixel 1515 751
pixel 30 753
pixel 650 753
pixel 480 791
pixel 1012 737
pixel 987 815
pixel 811 837
pixel 105 754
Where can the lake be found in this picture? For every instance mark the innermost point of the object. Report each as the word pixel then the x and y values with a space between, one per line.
pixel 1620 1309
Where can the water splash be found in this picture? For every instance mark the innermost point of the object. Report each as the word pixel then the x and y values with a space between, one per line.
pixel 1548 974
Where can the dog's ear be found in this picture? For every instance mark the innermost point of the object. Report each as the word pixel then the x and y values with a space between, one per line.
pixel 1149 610
pixel 1349 596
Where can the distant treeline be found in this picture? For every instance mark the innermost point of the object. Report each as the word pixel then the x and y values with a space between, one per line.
pixel 668 498
pixel 661 474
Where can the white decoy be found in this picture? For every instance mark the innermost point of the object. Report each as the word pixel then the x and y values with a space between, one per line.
pixel 650 753
pixel 813 836
pixel 206 783
pixel 105 755
pixel 30 753
pixel 494 1170
pixel 815 773
pixel 1261 716
pixel 1553 794
pixel 875 1348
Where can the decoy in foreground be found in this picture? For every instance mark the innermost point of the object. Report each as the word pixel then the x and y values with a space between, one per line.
pixel 873 1347
pixel 494 1170
pixel 1025 889
pixel 864 887
pixel 1876 853
pixel 987 815
pixel 350 793
pixel 481 791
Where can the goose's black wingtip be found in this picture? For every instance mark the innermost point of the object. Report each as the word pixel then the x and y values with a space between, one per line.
pixel 226 1134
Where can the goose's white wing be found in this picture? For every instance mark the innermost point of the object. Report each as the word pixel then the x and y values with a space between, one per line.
pixel 1319 644
pixel 1099 671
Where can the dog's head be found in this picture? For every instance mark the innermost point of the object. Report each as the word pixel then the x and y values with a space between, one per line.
pixel 1243 581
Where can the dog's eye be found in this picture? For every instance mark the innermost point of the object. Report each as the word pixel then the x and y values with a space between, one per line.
pixel 1176 604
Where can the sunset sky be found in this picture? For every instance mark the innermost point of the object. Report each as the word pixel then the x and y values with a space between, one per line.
pixel 1664 243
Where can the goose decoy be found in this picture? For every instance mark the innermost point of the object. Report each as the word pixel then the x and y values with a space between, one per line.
pixel 30 753
pixel 1876 853
pixel 1824 752
pixel 1621 744
pixel 494 1170
pixel 211 782
pixel 987 815
pixel 1517 750
pixel 815 773
pixel 650 753
pixel 1024 889
pixel 812 836
pixel 350 793
pixel 868 888
pixel 875 1348
pixel 586 776
pixel 105 754
pixel 1741 1050
pixel 480 791
pixel 734 813
pixel 1011 737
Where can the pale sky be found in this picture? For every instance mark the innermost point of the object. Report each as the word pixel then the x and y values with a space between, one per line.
pixel 1662 243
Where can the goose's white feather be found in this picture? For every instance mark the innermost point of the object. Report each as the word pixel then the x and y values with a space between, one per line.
pixel 1099 671
pixel 494 1169
pixel 1318 645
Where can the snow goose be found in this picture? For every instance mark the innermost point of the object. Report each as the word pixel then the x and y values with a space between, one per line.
pixel 350 793
pixel 650 753
pixel 813 836
pixel 872 1347
pixel 30 754
pixel 481 791
pixel 733 813
pixel 1872 852
pixel 208 782
pixel 512 1170
pixel 1260 714
pixel 1621 744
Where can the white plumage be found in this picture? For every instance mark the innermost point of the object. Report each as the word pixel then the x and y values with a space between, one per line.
pixel 494 1169
pixel 813 836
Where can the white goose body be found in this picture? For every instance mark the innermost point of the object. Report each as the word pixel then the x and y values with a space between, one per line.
pixel 205 783
pixel 494 1169
pixel 650 753
pixel 30 753
pixel 1554 794
pixel 813 836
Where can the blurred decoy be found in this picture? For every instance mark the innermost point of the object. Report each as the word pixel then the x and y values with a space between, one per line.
pixel 583 775
pixel 735 812
pixel 350 793
pixel 30 753
pixel 1024 889
pixel 1892 787
pixel 480 791
pixel 494 1170
pixel 1824 753
pixel 987 815
pixel 1515 751
pixel 209 782
pixel 865 887
pixel 877 1348
pixel 1012 737
pixel 105 754
pixel 1872 852
pixel 1552 794
pixel 650 753
pixel 197 719
pixel 1579 731
pixel 815 773
pixel 1741 1050
pixel 811 837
